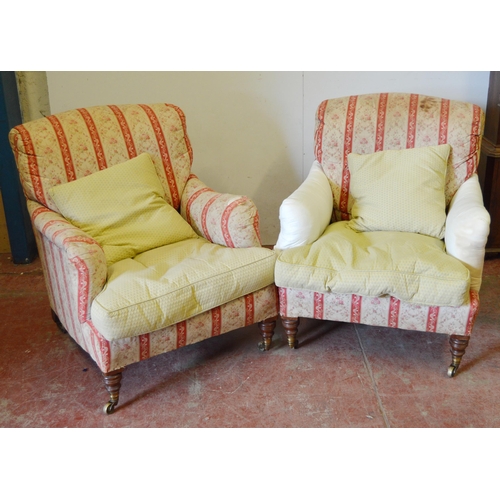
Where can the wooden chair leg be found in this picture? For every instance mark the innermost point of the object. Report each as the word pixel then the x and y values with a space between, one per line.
pixel 267 330
pixel 291 326
pixel 112 381
pixel 458 344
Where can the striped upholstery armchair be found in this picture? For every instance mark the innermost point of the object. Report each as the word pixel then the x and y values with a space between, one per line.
pixel 197 269
pixel 389 228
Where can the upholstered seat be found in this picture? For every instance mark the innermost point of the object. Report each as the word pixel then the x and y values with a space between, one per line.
pixel 140 257
pixel 163 286
pixel 389 227
pixel 410 267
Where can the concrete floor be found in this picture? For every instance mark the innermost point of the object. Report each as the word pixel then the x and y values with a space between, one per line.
pixel 342 375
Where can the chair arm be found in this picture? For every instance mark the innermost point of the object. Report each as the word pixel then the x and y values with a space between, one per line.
pixel 80 254
pixel 306 213
pixel 467 229
pixel 225 219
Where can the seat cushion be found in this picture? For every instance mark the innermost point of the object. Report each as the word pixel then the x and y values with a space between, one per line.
pixel 400 190
pixel 409 266
pixel 172 283
pixel 123 208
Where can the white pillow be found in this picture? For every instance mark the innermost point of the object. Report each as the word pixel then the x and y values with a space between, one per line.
pixel 306 213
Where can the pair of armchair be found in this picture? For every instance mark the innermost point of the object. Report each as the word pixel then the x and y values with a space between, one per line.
pixel 140 257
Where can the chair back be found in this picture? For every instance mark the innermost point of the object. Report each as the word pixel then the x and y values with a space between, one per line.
pixel 72 144
pixel 370 123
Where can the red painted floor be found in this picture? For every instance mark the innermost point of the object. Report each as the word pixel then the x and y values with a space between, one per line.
pixel 343 375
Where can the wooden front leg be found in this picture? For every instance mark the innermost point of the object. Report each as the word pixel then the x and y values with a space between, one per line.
pixel 112 381
pixel 291 326
pixel 458 344
pixel 267 330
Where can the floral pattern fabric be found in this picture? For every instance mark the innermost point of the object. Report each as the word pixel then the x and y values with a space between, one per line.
pixel 383 311
pixel 376 122
pixel 77 143
pixel 371 123
pixel 225 219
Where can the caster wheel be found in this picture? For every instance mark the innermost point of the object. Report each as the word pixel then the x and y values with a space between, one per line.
pixel 262 347
pixel 109 408
pixel 452 370
pixel 295 344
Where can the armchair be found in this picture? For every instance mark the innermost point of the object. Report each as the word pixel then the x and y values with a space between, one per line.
pixel 139 256
pixel 389 227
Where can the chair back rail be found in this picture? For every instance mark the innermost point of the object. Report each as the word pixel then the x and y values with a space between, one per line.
pixel 66 146
pixel 370 123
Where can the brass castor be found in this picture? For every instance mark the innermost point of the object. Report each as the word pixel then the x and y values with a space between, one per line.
pixel 264 346
pixel 291 326
pixel 109 408
pixel 267 330
pixel 112 381
pixel 458 344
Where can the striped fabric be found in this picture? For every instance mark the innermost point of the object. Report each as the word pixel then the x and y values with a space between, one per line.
pixel 220 218
pixel 73 144
pixel 87 140
pixel 376 122
pixel 371 123
pixel 380 311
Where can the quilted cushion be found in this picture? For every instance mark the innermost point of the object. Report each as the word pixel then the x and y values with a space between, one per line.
pixel 400 190
pixel 123 208
pixel 409 266
pixel 167 285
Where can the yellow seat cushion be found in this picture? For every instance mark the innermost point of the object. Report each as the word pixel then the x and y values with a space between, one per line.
pixel 409 266
pixel 169 284
pixel 123 208
pixel 399 190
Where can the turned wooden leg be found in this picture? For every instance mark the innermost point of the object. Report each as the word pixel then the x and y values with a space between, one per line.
pixel 267 330
pixel 57 321
pixel 112 381
pixel 458 345
pixel 291 327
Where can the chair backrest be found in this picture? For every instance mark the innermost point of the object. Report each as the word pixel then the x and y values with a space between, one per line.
pixel 72 144
pixel 370 123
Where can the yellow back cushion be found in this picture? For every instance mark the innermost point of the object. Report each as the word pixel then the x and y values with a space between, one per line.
pixel 123 208
pixel 400 190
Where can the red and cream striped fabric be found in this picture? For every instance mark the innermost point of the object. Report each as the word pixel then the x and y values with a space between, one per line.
pixel 379 311
pixel 87 140
pixel 74 264
pixel 75 271
pixel 367 124
pixel 70 145
pixel 370 123
pixel 225 219
pixel 247 310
